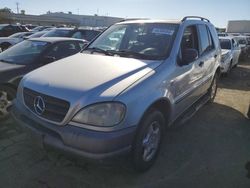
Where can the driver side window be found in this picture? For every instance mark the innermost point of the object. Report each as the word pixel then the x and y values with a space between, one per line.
pixel 190 39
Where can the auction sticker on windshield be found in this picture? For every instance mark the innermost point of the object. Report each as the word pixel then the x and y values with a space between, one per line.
pixel 163 31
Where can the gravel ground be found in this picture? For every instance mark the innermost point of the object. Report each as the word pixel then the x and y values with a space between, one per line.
pixel 210 150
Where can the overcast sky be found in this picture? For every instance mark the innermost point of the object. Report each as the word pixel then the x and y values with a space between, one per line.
pixel 218 11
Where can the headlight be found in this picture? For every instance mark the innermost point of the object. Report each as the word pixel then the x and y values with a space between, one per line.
pixel 101 114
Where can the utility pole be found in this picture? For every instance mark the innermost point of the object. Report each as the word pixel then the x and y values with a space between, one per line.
pixel 17 7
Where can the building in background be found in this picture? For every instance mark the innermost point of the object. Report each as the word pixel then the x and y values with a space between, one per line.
pixel 60 18
pixel 238 26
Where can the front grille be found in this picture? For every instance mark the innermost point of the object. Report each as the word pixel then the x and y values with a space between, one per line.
pixel 55 109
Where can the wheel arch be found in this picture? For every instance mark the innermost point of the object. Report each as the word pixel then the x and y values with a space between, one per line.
pixel 163 105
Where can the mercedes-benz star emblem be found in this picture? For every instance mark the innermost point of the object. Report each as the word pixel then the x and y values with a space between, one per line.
pixel 39 105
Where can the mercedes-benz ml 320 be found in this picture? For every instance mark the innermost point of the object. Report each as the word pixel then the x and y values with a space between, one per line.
pixel 121 92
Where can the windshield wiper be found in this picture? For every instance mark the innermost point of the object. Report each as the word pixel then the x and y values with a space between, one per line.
pixel 99 50
pixel 128 53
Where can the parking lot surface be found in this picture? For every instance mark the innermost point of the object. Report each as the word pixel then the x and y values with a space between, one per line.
pixel 209 150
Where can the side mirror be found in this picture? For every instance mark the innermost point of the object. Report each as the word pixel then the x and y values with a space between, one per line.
pixel 48 59
pixel 189 55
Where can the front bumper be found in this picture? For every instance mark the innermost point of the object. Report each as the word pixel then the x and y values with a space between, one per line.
pixel 74 140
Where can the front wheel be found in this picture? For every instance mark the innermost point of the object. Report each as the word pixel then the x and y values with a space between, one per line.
pixel 148 139
pixel 213 88
pixel 7 95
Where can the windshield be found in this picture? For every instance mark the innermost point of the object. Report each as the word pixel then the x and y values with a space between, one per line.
pixel 58 33
pixel 136 40
pixel 225 44
pixel 23 53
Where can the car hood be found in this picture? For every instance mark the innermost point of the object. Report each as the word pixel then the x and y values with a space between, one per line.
pixel 88 78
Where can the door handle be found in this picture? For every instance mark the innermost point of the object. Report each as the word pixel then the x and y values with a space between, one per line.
pixel 201 63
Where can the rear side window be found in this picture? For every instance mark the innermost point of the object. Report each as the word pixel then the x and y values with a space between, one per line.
pixel 214 36
pixel 211 43
pixel 63 49
pixel 204 39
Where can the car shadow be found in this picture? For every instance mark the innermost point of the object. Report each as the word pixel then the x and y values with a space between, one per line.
pixel 238 78
pixel 209 150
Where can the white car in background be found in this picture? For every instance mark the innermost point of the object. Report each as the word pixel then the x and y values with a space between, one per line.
pixel 230 53
pixel 6 42
pixel 242 40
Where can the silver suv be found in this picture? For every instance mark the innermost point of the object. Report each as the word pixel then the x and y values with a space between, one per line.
pixel 119 94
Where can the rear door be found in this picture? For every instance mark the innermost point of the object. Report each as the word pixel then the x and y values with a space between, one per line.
pixel 208 56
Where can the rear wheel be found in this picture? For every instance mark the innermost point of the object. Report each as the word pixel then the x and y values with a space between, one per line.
pixel 7 94
pixel 148 139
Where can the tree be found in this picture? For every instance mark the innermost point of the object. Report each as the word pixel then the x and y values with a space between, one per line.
pixel 5 10
pixel 23 12
pixel 5 15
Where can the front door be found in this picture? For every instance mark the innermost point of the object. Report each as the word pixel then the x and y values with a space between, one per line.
pixel 187 83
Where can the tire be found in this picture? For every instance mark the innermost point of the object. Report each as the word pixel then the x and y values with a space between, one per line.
pixel 7 94
pixel 213 89
pixel 148 139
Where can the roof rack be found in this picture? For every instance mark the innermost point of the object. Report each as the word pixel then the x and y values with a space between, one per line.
pixel 197 17
pixel 131 19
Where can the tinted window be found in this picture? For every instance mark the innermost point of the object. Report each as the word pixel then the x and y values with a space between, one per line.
pixel 24 52
pixel 215 38
pixel 90 35
pixel 211 43
pixel 63 49
pixel 225 44
pixel 77 35
pixel 8 28
pixel 242 41
pixel 204 39
pixel 58 33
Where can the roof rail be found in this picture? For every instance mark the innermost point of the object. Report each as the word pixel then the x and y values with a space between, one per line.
pixel 131 19
pixel 197 17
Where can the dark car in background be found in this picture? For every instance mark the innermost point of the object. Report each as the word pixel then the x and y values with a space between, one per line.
pixel 8 29
pixel 26 56
pixel 87 34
